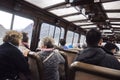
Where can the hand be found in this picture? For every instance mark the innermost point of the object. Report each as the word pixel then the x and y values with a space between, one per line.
pixel 26 52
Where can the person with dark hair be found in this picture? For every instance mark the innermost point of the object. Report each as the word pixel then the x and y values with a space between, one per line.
pixel 12 61
pixel 51 59
pixel 94 54
pixel 24 45
pixel 62 44
pixel 25 39
pixel 110 48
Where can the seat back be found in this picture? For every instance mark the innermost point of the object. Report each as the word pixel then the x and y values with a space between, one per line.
pixel 36 66
pixel 83 71
pixel 77 50
pixel 63 68
pixel 70 56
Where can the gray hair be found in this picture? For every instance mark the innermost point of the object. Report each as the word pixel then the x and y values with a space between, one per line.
pixel 48 42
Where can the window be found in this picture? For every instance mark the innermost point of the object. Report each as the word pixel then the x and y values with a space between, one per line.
pixel 57 35
pixel 46 30
pixel 5 23
pixel 69 37
pixel 5 19
pixel 76 36
pixel 23 24
pixel 62 33
pixel 82 40
pixel 51 30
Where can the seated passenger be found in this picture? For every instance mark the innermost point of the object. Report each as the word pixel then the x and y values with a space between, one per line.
pixel 96 55
pixel 62 44
pixel 51 59
pixel 110 48
pixel 70 46
pixel 24 44
pixel 25 40
pixel 12 61
pixel 84 46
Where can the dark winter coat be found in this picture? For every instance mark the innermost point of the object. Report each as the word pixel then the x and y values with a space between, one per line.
pixel 12 61
pixel 97 56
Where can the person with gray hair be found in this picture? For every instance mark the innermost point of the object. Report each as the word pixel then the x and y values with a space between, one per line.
pixel 51 59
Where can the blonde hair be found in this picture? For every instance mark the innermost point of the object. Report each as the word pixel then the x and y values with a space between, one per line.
pixel 48 41
pixel 13 37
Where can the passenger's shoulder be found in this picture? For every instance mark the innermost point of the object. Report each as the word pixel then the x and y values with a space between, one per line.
pixel 111 57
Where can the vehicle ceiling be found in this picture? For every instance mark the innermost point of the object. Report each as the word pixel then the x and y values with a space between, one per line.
pixel 101 14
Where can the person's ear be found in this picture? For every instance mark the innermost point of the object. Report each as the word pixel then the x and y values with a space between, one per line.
pixel 100 42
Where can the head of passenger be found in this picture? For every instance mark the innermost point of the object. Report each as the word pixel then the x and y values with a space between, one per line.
pixel 25 39
pixel 62 42
pixel 110 47
pixel 13 37
pixel 93 38
pixel 47 42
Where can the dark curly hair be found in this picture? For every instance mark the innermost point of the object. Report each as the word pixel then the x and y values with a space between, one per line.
pixel 62 42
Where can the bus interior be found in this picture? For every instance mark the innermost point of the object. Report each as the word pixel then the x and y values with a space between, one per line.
pixel 67 19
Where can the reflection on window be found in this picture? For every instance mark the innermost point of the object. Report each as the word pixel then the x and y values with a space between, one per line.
pixel 24 25
pixel 57 35
pixel 51 30
pixel 62 33
pixel 21 23
pixel 69 37
pixel 46 30
pixel 76 36
pixel 82 40
pixel 5 23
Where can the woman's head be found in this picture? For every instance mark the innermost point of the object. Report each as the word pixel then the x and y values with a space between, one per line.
pixel 47 42
pixel 13 37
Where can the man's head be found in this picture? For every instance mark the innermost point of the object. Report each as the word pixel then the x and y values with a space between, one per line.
pixel 62 42
pixel 93 37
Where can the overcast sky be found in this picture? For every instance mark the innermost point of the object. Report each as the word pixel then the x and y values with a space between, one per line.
pixel 19 22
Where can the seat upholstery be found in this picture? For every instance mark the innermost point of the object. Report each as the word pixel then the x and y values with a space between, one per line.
pixel 63 68
pixel 70 56
pixel 83 71
pixel 36 66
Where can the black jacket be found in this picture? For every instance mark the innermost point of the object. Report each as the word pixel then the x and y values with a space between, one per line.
pixel 12 60
pixel 97 56
pixel 107 51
